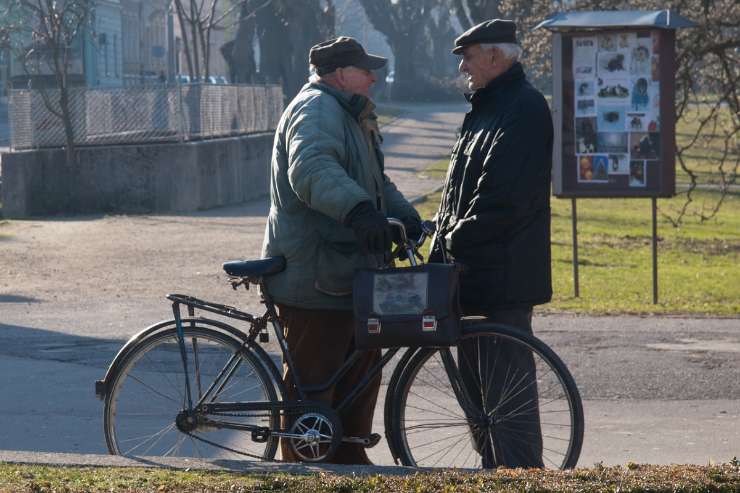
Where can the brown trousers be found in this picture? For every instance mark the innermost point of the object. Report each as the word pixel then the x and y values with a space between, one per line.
pixel 319 342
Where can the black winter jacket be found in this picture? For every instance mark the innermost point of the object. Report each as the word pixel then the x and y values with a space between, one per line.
pixel 495 209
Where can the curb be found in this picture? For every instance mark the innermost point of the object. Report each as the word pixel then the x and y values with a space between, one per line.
pixel 241 466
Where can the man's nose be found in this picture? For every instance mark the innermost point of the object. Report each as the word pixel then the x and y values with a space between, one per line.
pixel 373 78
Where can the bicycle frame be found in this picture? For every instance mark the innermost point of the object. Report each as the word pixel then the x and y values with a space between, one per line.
pixel 258 326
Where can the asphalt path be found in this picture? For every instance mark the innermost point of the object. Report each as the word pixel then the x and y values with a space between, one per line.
pixel 73 289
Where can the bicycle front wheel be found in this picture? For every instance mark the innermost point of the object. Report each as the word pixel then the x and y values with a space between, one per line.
pixel 147 398
pixel 500 398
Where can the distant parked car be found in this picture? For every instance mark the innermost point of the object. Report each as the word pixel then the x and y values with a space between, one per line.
pixel 220 79
pixel 183 79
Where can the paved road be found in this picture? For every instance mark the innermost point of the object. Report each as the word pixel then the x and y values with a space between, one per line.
pixel 72 289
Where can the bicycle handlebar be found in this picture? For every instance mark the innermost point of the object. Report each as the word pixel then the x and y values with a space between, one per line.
pixel 412 245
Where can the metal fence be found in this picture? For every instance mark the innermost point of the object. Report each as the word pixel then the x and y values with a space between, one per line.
pixel 132 115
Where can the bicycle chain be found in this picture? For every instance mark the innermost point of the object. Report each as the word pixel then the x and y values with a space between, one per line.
pixel 239 452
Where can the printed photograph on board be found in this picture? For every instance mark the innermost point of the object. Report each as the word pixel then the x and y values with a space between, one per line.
pixel 637 173
pixel 640 56
pixel 636 122
pixel 584 88
pixel 640 95
pixel 610 118
pixel 619 164
pixel 585 107
pixel 653 124
pixel 593 169
pixel 584 57
pixel 613 65
pixel 644 145
pixel 611 142
pixel 585 168
pixel 601 168
pixel 626 40
pixel 585 135
pixel 613 91
pixel 608 42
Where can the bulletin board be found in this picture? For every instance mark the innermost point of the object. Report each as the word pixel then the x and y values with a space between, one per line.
pixel 614 113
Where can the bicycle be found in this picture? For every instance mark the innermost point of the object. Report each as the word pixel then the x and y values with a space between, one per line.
pixel 199 387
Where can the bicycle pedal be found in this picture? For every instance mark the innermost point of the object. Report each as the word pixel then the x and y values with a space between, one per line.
pixel 367 442
pixel 260 435
pixel 264 337
pixel 373 440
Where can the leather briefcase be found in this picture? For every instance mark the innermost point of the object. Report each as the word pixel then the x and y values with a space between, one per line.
pixel 411 306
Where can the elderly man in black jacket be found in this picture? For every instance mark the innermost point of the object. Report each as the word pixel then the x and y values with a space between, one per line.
pixel 494 219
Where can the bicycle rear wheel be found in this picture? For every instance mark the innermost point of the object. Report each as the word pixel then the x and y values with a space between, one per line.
pixel 500 398
pixel 147 393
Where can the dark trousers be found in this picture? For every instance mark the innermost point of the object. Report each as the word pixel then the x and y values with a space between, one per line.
pixel 500 377
pixel 319 342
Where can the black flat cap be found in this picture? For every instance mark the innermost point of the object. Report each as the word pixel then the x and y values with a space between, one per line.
pixel 342 52
pixel 493 31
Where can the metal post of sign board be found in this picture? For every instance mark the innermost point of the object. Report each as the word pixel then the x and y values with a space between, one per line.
pixel 655 249
pixel 574 218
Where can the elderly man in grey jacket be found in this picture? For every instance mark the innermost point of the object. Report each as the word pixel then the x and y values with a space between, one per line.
pixel 329 201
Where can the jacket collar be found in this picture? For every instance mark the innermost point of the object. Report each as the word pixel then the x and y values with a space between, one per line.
pixel 511 76
pixel 354 104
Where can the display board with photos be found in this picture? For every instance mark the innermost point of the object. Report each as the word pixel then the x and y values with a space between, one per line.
pixel 616 139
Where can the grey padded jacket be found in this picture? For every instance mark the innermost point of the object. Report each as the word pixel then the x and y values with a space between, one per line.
pixel 322 167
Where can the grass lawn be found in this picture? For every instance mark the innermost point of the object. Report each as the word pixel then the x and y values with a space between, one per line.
pixel 387 114
pixel 698 263
pixel 721 478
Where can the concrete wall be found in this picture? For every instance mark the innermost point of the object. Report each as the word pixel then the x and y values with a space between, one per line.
pixel 137 179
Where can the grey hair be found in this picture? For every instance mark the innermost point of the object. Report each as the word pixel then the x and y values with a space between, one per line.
pixel 313 74
pixel 511 51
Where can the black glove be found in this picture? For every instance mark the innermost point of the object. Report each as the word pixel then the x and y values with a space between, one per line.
pixel 413 230
pixel 413 227
pixel 371 228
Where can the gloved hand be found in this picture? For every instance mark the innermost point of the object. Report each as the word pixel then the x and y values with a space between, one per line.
pixel 413 227
pixel 413 230
pixel 371 228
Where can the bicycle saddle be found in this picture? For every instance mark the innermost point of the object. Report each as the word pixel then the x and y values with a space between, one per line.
pixel 255 268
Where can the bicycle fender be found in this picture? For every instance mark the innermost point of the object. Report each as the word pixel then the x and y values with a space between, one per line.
pixel 101 386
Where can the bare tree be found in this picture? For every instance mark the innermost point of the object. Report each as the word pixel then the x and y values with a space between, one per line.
pixel 404 23
pixel 470 12
pixel 42 36
pixel 199 19
pixel 285 30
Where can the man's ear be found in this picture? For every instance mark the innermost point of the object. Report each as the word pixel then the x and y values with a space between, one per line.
pixel 339 77
pixel 494 55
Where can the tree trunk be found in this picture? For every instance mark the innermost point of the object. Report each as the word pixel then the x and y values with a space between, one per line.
pixel 241 59
pixel 179 9
pixel 410 61
pixel 194 35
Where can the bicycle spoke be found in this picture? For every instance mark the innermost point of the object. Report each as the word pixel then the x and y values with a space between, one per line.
pixel 438 406
pixel 501 376
pixel 156 437
pixel 155 369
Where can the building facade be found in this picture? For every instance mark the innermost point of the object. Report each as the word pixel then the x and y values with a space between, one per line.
pixel 145 46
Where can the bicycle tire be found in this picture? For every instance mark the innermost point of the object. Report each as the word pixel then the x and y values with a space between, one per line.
pixel 147 391
pixel 426 401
